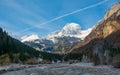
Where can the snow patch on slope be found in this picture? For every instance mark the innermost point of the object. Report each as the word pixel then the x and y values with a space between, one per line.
pixel 84 33
pixel 30 38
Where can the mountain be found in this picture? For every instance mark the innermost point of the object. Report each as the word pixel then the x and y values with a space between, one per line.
pixel 14 51
pixel 71 30
pixel 104 38
pixel 59 41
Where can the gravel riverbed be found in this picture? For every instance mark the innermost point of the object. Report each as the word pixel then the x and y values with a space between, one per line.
pixel 62 69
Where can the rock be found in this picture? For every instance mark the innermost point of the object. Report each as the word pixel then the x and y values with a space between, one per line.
pixel 112 10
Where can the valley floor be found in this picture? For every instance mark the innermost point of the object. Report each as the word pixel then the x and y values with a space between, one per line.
pixel 59 69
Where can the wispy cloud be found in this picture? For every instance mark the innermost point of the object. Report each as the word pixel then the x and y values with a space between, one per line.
pixel 65 15
pixel 6 25
pixel 25 12
pixel 13 4
pixel 32 22
pixel 11 28
pixel 18 7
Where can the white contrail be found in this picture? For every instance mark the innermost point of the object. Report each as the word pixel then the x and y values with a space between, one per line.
pixel 59 17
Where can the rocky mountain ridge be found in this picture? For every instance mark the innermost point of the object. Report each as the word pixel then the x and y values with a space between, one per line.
pixel 103 41
pixel 61 40
pixel 108 25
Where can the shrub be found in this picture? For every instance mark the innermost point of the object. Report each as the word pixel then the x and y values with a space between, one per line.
pixel 4 59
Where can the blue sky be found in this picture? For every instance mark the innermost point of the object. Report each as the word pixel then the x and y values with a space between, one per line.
pixel 25 17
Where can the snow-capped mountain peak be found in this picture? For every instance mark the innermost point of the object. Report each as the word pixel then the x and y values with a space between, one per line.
pixel 30 38
pixel 70 29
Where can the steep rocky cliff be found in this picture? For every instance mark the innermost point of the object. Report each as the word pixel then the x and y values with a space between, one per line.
pixel 106 31
pixel 104 40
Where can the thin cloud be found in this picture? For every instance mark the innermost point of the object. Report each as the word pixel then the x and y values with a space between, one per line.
pixel 7 25
pixel 24 11
pixel 16 6
pixel 65 15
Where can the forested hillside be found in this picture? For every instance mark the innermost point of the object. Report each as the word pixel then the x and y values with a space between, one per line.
pixel 13 51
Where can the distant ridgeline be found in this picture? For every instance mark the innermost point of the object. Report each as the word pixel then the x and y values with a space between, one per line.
pixel 13 51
